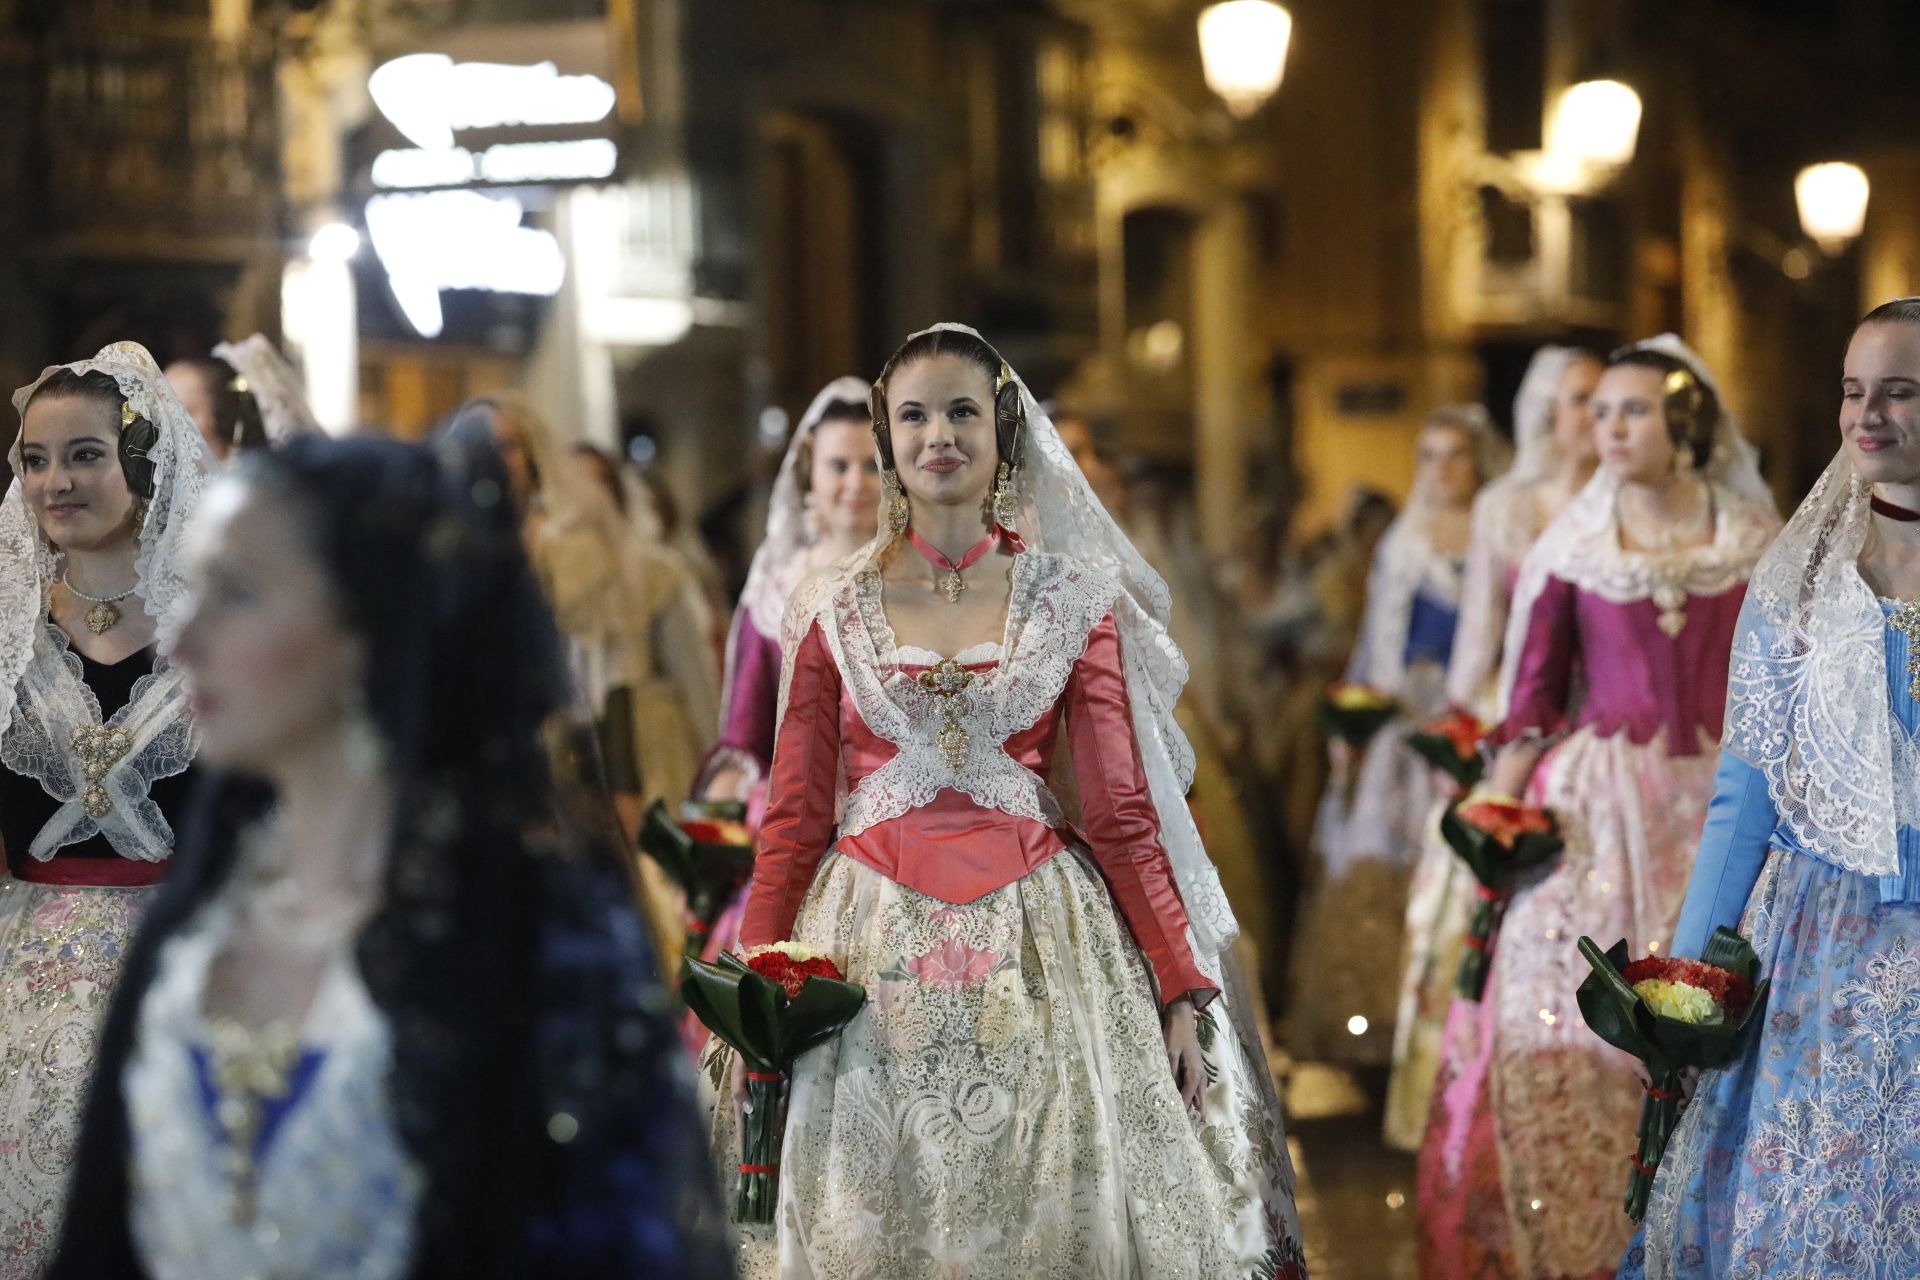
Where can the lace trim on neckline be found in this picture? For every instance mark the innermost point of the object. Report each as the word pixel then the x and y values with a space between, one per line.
pixel 912 655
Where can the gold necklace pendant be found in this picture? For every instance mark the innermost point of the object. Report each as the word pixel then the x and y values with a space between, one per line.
pixel 1906 620
pixel 102 618
pixel 953 586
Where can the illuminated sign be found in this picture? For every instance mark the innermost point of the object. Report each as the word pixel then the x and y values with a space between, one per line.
pixel 433 240
pixel 432 99
pixel 429 97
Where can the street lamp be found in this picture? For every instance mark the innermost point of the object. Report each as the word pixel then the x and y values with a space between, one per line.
pixel 1243 49
pixel 1833 203
pixel 1596 124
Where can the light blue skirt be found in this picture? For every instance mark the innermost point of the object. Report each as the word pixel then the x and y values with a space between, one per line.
pixel 1802 1158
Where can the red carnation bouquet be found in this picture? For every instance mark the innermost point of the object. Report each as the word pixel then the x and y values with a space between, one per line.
pixel 1671 1014
pixel 707 852
pixel 1451 744
pixel 771 1006
pixel 1501 840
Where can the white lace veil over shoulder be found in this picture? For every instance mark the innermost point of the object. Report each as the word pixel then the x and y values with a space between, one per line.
pixel 1503 529
pixel 1407 564
pixel 42 697
pixel 779 563
pixel 1807 697
pixel 1060 515
pixel 1582 546
pixel 274 385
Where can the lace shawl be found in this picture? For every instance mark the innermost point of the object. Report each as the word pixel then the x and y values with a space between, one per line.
pixel 1807 691
pixel 1060 514
pixel 50 723
pixel 1504 527
pixel 1582 545
pixel 274 385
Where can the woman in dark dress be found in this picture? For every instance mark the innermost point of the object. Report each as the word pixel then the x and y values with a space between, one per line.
pixel 95 740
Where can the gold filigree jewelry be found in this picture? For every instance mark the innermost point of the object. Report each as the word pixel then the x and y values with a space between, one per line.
pixel 946 680
pixel 105 614
pixel 99 748
pixel 250 1070
pixel 1906 620
pixel 127 414
pixel 1005 509
pixel 895 508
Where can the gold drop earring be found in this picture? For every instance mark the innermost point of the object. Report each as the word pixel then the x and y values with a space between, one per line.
pixel 895 511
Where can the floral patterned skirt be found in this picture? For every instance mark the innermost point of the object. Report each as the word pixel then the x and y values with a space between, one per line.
pixel 60 951
pixel 1802 1158
pixel 1525 1163
pixel 1002 1106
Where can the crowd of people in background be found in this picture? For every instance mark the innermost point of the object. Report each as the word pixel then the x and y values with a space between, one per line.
pixel 327 948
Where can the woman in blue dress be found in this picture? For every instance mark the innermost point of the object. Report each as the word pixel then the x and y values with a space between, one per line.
pixel 390 1018
pixel 1802 1157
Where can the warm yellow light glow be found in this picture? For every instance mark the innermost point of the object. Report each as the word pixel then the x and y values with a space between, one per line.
pixel 1357 1025
pixel 1596 122
pixel 1833 203
pixel 1243 48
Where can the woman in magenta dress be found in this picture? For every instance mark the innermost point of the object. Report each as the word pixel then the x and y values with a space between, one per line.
pixel 1046 1079
pixel 1636 587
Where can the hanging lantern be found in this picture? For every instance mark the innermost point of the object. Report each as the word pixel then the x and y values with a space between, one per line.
pixel 1833 203
pixel 1243 48
pixel 1595 123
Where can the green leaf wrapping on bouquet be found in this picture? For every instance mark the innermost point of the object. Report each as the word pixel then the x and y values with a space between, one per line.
pixel 1617 1014
pixel 753 1014
pixel 706 873
pixel 1356 726
pixel 1493 864
pixel 1438 750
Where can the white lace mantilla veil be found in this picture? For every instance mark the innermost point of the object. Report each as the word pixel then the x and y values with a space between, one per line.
pixel 1060 515
pixel 1406 561
pixel 42 695
pixel 1503 528
pixel 780 561
pixel 1582 545
pixel 1807 689
pixel 275 386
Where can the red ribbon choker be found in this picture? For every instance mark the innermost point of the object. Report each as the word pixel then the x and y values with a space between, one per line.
pixel 951 583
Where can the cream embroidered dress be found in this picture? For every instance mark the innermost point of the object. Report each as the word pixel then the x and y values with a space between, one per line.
pixel 1003 1106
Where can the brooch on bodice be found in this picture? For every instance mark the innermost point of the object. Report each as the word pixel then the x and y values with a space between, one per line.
pixel 945 680
pixel 99 749
pixel 1670 595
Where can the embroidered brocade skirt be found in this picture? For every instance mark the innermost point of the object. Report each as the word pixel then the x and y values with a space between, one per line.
pixel 1003 1107
pixel 60 954
pixel 1349 953
pixel 1802 1157
pixel 1525 1162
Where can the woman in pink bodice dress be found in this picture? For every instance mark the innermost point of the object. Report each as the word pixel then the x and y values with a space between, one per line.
pixel 1045 1079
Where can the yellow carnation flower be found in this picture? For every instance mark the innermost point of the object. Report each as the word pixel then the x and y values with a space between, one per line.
pixel 1678 1000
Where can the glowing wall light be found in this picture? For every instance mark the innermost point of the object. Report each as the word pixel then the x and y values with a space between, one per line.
pixel 1596 123
pixel 434 240
pixel 1833 203
pixel 1243 50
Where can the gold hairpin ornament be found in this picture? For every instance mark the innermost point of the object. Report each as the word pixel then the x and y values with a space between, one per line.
pixel 127 414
